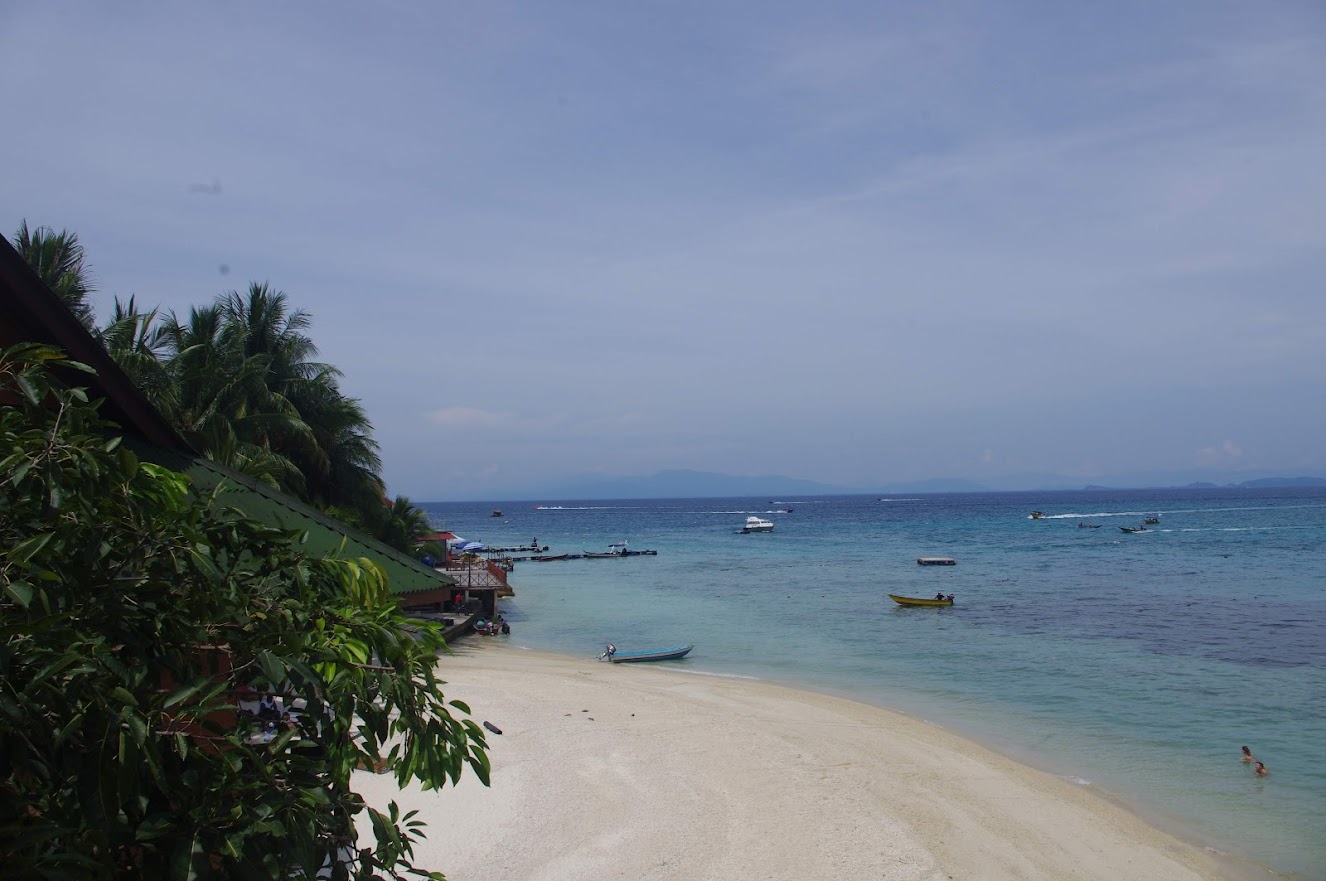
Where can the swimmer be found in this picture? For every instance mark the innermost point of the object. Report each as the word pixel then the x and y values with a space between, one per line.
pixel 1247 754
pixel 1261 769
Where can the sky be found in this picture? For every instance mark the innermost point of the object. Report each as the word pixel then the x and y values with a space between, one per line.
pixel 858 243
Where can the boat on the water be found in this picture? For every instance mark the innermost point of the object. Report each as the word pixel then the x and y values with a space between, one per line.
pixel 1082 524
pixel 1151 521
pixel 936 561
pixel 497 512
pixel 1131 529
pixel 618 549
pixel 610 653
pixel 1037 515
pixel 922 601
pixel 544 558
pixel 755 524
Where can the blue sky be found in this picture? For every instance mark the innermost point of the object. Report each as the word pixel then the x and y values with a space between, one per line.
pixel 857 243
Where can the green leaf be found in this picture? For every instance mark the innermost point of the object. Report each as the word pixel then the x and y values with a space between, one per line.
pixel 180 694
pixel 27 549
pixel 20 592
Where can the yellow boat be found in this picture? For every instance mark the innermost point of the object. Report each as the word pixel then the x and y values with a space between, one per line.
pixel 918 601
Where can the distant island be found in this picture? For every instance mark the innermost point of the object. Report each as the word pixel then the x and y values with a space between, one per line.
pixel 1278 482
pixel 687 483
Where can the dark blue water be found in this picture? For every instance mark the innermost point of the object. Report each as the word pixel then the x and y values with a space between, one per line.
pixel 1139 663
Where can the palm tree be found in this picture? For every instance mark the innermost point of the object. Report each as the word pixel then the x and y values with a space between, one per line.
pixel 226 409
pixel 333 450
pixel 139 344
pixel 58 260
pixel 406 528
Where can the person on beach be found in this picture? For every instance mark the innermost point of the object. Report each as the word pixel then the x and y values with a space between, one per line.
pixel 1261 769
pixel 269 708
pixel 1247 755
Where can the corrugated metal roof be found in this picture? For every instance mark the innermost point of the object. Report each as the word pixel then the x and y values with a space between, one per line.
pixel 325 533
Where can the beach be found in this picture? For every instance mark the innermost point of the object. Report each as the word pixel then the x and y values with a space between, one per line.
pixel 649 772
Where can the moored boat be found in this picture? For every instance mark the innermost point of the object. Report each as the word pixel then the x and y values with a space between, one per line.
pixel 921 601
pixel 755 524
pixel 610 653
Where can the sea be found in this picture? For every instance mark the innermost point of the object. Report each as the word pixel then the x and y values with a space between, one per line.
pixel 1134 664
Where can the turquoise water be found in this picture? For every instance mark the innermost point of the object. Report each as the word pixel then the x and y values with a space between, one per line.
pixel 1137 663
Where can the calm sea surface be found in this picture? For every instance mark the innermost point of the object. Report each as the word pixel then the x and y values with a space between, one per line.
pixel 1137 664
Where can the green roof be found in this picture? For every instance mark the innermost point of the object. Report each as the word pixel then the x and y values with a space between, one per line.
pixel 325 534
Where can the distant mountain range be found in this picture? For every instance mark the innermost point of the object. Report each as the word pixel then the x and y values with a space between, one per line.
pixel 685 483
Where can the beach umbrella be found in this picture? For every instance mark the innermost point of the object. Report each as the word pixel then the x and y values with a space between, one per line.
pixel 464 546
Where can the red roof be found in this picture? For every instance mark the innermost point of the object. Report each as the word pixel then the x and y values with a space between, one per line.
pixel 443 536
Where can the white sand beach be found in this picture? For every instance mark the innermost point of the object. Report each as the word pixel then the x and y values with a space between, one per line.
pixel 637 772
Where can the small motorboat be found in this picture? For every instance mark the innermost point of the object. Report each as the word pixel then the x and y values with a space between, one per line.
pixel 1151 521
pixel 497 512
pixel 1082 524
pixel 544 558
pixel 610 653
pixel 922 601
pixel 755 524
pixel 936 561
pixel 1037 515
pixel 1132 529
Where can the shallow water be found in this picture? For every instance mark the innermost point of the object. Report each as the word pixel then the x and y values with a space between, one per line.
pixel 1139 662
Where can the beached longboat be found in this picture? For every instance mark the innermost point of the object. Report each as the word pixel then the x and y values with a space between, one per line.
pixel 611 654
pixel 920 601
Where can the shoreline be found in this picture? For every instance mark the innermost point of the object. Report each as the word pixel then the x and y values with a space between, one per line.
pixel 640 772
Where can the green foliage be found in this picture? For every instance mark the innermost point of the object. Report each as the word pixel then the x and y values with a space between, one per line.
pixel 58 258
pixel 131 611
pixel 406 528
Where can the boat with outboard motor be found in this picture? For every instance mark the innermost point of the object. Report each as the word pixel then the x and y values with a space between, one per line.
pixel 1132 529
pixel 755 524
pixel 936 600
pixel 610 653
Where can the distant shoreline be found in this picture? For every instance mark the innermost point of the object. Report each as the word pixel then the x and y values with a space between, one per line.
pixel 617 492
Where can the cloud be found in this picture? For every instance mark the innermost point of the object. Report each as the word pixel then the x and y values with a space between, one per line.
pixel 1225 453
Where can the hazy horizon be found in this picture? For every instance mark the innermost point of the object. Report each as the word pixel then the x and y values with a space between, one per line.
pixel 862 244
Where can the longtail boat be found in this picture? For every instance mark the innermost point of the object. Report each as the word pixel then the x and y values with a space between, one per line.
pixel 611 654
pixel 920 601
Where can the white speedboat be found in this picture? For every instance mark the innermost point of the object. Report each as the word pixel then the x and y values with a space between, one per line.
pixel 755 524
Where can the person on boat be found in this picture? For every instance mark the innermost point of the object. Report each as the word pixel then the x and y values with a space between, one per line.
pixel 949 598
pixel 940 596
pixel 1247 755
pixel 1260 769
